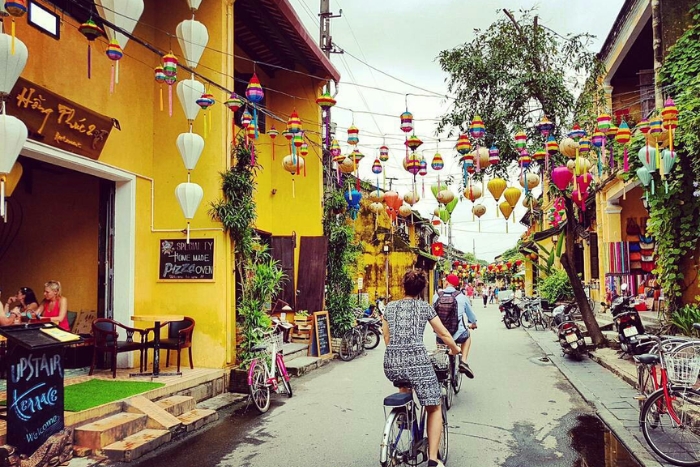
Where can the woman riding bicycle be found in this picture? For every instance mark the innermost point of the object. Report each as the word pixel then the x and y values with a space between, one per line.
pixel 406 358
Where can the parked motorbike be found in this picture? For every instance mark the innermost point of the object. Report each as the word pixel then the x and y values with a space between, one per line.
pixel 510 312
pixel 568 332
pixel 630 329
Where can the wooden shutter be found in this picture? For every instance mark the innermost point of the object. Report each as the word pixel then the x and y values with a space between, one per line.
pixel 283 251
pixel 312 273
pixel 593 249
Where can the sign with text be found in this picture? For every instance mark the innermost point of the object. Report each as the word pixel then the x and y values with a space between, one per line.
pixel 321 336
pixel 34 397
pixel 58 122
pixel 184 261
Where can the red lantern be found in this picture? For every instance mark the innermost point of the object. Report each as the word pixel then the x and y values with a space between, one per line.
pixel 509 264
pixel 518 262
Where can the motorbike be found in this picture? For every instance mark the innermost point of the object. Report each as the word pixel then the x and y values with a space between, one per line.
pixel 630 329
pixel 568 332
pixel 510 312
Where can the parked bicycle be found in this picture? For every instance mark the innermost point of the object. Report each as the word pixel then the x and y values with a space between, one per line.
pixel 364 335
pixel 648 374
pixel 669 416
pixel 267 371
pixel 405 437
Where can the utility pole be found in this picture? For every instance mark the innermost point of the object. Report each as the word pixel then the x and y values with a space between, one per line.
pixel 391 179
pixel 326 44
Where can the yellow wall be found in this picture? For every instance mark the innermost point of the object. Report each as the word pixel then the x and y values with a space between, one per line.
pixel 145 146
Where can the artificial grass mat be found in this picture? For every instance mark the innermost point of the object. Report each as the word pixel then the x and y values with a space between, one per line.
pixel 83 396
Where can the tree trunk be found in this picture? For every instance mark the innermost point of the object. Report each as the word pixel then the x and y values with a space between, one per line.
pixel 567 261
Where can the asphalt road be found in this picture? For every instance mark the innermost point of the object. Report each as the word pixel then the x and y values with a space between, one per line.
pixel 518 411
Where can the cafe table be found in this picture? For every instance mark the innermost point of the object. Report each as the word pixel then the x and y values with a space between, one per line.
pixel 157 320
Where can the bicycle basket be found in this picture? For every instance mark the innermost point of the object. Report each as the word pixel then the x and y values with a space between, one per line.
pixel 276 339
pixel 683 369
pixel 439 359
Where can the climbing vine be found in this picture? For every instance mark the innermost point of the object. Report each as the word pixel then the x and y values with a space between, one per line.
pixel 675 216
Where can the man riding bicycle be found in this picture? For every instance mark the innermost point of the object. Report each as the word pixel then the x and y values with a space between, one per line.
pixel 465 318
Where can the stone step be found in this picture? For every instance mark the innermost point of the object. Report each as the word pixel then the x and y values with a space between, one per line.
pixel 136 445
pixel 106 431
pixel 197 418
pixel 177 405
pixel 294 350
pixel 158 417
pixel 302 365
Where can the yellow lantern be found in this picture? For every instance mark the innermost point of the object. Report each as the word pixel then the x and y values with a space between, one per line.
pixel 411 198
pixel 568 147
pixel 376 207
pixel 376 196
pixel 512 195
pixel 496 186
pixel 506 209
pixel 405 211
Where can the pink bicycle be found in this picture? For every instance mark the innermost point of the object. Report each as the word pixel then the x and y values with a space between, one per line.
pixel 267 371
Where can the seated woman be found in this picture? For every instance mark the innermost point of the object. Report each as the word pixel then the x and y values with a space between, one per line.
pixel 21 305
pixel 54 306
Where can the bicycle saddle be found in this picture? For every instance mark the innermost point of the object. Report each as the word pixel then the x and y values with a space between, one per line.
pixel 366 320
pixel 259 348
pixel 647 359
pixel 398 399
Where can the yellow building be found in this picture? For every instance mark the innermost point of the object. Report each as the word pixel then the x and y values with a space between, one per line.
pixel 96 208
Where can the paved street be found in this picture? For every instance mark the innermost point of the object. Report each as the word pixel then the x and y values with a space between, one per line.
pixel 518 411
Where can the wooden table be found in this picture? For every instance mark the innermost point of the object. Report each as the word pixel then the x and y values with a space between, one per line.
pixel 157 320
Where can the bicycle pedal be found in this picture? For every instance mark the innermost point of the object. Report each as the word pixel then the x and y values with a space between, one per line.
pixel 640 397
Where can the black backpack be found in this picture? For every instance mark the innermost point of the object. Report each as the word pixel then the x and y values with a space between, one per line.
pixel 446 308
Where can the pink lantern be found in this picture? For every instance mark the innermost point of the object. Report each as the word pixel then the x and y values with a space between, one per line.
pixel 584 181
pixel 561 176
pixel 579 198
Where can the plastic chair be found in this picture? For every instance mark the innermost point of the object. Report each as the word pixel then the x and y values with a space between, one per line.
pixel 179 337
pixel 106 334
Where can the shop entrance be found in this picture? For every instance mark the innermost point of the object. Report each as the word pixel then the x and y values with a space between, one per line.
pixel 60 226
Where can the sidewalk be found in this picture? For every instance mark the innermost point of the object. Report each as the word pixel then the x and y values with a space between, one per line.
pixel 611 396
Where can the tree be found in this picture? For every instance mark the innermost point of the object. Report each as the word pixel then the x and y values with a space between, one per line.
pixel 511 75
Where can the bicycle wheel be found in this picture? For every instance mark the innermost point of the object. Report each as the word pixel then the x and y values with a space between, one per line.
pixel 396 439
pixel 357 341
pixel 671 427
pixel 444 444
pixel 259 390
pixel 645 383
pixel 526 319
pixel 346 346
pixel 456 376
pixel 371 340
pixel 449 393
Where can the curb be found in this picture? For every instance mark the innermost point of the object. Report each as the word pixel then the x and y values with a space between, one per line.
pixel 623 376
pixel 636 449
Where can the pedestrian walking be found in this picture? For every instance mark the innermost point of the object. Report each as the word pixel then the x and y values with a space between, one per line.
pixel 470 293
pixel 495 293
pixel 485 294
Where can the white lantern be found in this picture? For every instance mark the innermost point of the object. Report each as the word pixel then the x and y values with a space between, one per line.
pixel 124 14
pixel 194 4
pixel 190 146
pixel 11 66
pixel 193 38
pixel 188 91
pixel 13 135
pixel 189 195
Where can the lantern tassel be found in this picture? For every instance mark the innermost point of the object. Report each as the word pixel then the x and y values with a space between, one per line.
pixel 12 46
pixel 255 119
pixel 479 225
pixel 170 100
pixel 294 193
pixel 160 98
pixel 116 72
pixel 273 149
pixel 625 162
pixel 188 232
pixel 2 197
pixel 506 225
pixel 89 61
pixel 111 81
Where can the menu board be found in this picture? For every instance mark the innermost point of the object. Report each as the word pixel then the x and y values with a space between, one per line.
pixel 182 261
pixel 321 338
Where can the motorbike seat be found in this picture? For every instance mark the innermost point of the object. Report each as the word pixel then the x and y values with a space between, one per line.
pixel 366 320
pixel 647 359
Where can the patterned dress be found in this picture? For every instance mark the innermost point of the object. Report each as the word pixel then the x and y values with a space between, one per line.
pixel 406 357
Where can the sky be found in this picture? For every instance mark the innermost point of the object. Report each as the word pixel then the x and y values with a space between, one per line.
pixel 402 39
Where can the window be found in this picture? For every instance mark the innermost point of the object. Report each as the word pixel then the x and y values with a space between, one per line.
pixel 80 10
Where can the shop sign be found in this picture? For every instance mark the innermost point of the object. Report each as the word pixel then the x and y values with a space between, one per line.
pixel 182 261
pixel 58 122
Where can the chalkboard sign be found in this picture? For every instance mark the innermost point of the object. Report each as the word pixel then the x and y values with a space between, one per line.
pixel 321 336
pixel 182 261
pixel 34 386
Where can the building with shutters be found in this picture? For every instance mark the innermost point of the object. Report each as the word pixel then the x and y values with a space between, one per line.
pixel 95 207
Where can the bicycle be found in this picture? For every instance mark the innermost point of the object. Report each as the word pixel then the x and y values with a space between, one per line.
pixel 670 415
pixel 263 378
pixel 357 338
pixel 453 379
pixel 648 376
pixel 404 440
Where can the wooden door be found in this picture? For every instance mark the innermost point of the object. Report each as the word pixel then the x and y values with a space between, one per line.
pixel 312 273
pixel 282 249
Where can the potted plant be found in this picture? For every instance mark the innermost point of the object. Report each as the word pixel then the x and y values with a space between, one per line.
pixel 302 318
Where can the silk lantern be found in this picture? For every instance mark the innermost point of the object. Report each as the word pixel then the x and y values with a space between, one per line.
pixel 496 187
pixel 188 91
pixel 170 71
pixel 190 146
pixel 405 211
pixel 13 135
pixel 12 64
pixel 561 176
pixel 193 38
pixel 92 31
pixel 645 177
pixel 668 159
pixel 623 136
pixel 17 9
pixel 411 198
pixel 473 192
pixel 506 209
pixel 353 198
pixel 376 196
pixel 532 180
pixel 512 195
pixel 445 196
pixel 479 210
pixel 292 164
pixel 124 14
pixel 194 4
pixel 189 195
pixel 254 93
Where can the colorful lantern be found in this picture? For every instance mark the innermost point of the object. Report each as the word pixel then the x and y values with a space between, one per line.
pixel 412 164
pixel 477 128
pixel 193 38
pixel 623 137
pixel 273 133
pixel 494 156
pixel 376 167
pixel 539 156
pixel 584 146
pixel 463 144
pixel 204 102
pixel 353 135
pixel 669 114
pixel 520 140
pixel 294 122
pixel 576 132
pixel 437 163
pixel 562 176
pixel 325 100
pixel 246 118
pixel 92 31
pixel 413 142
pixel 383 153
pixel 407 122
pixel 114 51
pixel 545 127
pixel 597 138
pixel 124 14
pixel 170 72
pixel 604 122
pixel 524 160
pixel 423 168
pixel 255 95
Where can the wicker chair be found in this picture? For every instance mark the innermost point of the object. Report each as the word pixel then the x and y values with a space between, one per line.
pixel 106 334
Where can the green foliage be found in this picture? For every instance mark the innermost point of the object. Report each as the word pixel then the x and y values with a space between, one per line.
pixel 342 256
pixel 510 74
pixel 556 286
pixel 684 317
pixel 675 216
pixel 512 254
